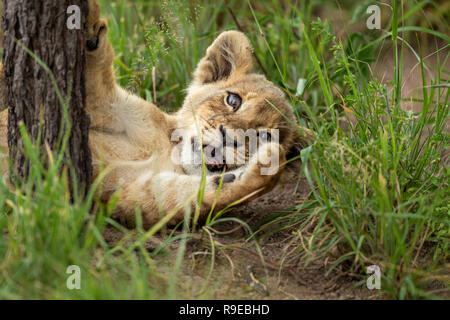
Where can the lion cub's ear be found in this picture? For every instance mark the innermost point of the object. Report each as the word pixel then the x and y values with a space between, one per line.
pixel 228 56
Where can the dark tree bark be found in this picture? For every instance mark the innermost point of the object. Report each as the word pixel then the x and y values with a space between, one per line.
pixel 41 26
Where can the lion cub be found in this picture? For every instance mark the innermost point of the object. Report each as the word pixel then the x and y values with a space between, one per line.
pixel 234 125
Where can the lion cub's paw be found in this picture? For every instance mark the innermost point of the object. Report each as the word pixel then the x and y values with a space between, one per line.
pixel 265 166
pixel 263 170
pixel 96 27
pixel 96 34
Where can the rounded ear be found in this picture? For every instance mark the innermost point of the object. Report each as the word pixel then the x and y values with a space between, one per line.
pixel 229 55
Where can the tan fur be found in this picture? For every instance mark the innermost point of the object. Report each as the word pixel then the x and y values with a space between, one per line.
pixel 132 137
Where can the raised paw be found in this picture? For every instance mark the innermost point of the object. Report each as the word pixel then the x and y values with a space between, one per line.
pixel 96 27
pixel 96 34
pixel 3 90
pixel 98 48
pixel 270 159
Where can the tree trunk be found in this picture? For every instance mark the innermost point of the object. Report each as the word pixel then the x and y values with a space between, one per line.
pixel 42 27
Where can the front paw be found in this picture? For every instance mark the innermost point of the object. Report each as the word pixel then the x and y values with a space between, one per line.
pixel 265 167
pixel 270 159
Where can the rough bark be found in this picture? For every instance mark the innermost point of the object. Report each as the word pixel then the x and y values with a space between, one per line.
pixel 41 26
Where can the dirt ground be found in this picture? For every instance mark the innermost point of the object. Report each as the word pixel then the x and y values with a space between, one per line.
pixel 240 273
pixel 240 270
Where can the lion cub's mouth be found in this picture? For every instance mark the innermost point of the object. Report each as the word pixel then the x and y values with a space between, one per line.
pixel 213 156
pixel 213 166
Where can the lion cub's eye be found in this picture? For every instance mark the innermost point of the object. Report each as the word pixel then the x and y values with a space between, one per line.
pixel 234 101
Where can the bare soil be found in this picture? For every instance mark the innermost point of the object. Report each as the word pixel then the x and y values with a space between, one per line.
pixel 241 272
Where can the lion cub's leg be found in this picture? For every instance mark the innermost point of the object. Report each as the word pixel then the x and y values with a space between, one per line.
pixel 112 109
pixel 167 193
pixel 101 84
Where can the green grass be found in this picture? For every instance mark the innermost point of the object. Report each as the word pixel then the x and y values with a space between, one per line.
pixel 379 188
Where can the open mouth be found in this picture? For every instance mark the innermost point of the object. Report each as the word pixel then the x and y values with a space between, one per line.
pixel 213 156
pixel 214 166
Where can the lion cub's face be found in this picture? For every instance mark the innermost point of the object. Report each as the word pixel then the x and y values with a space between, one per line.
pixel 230 111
